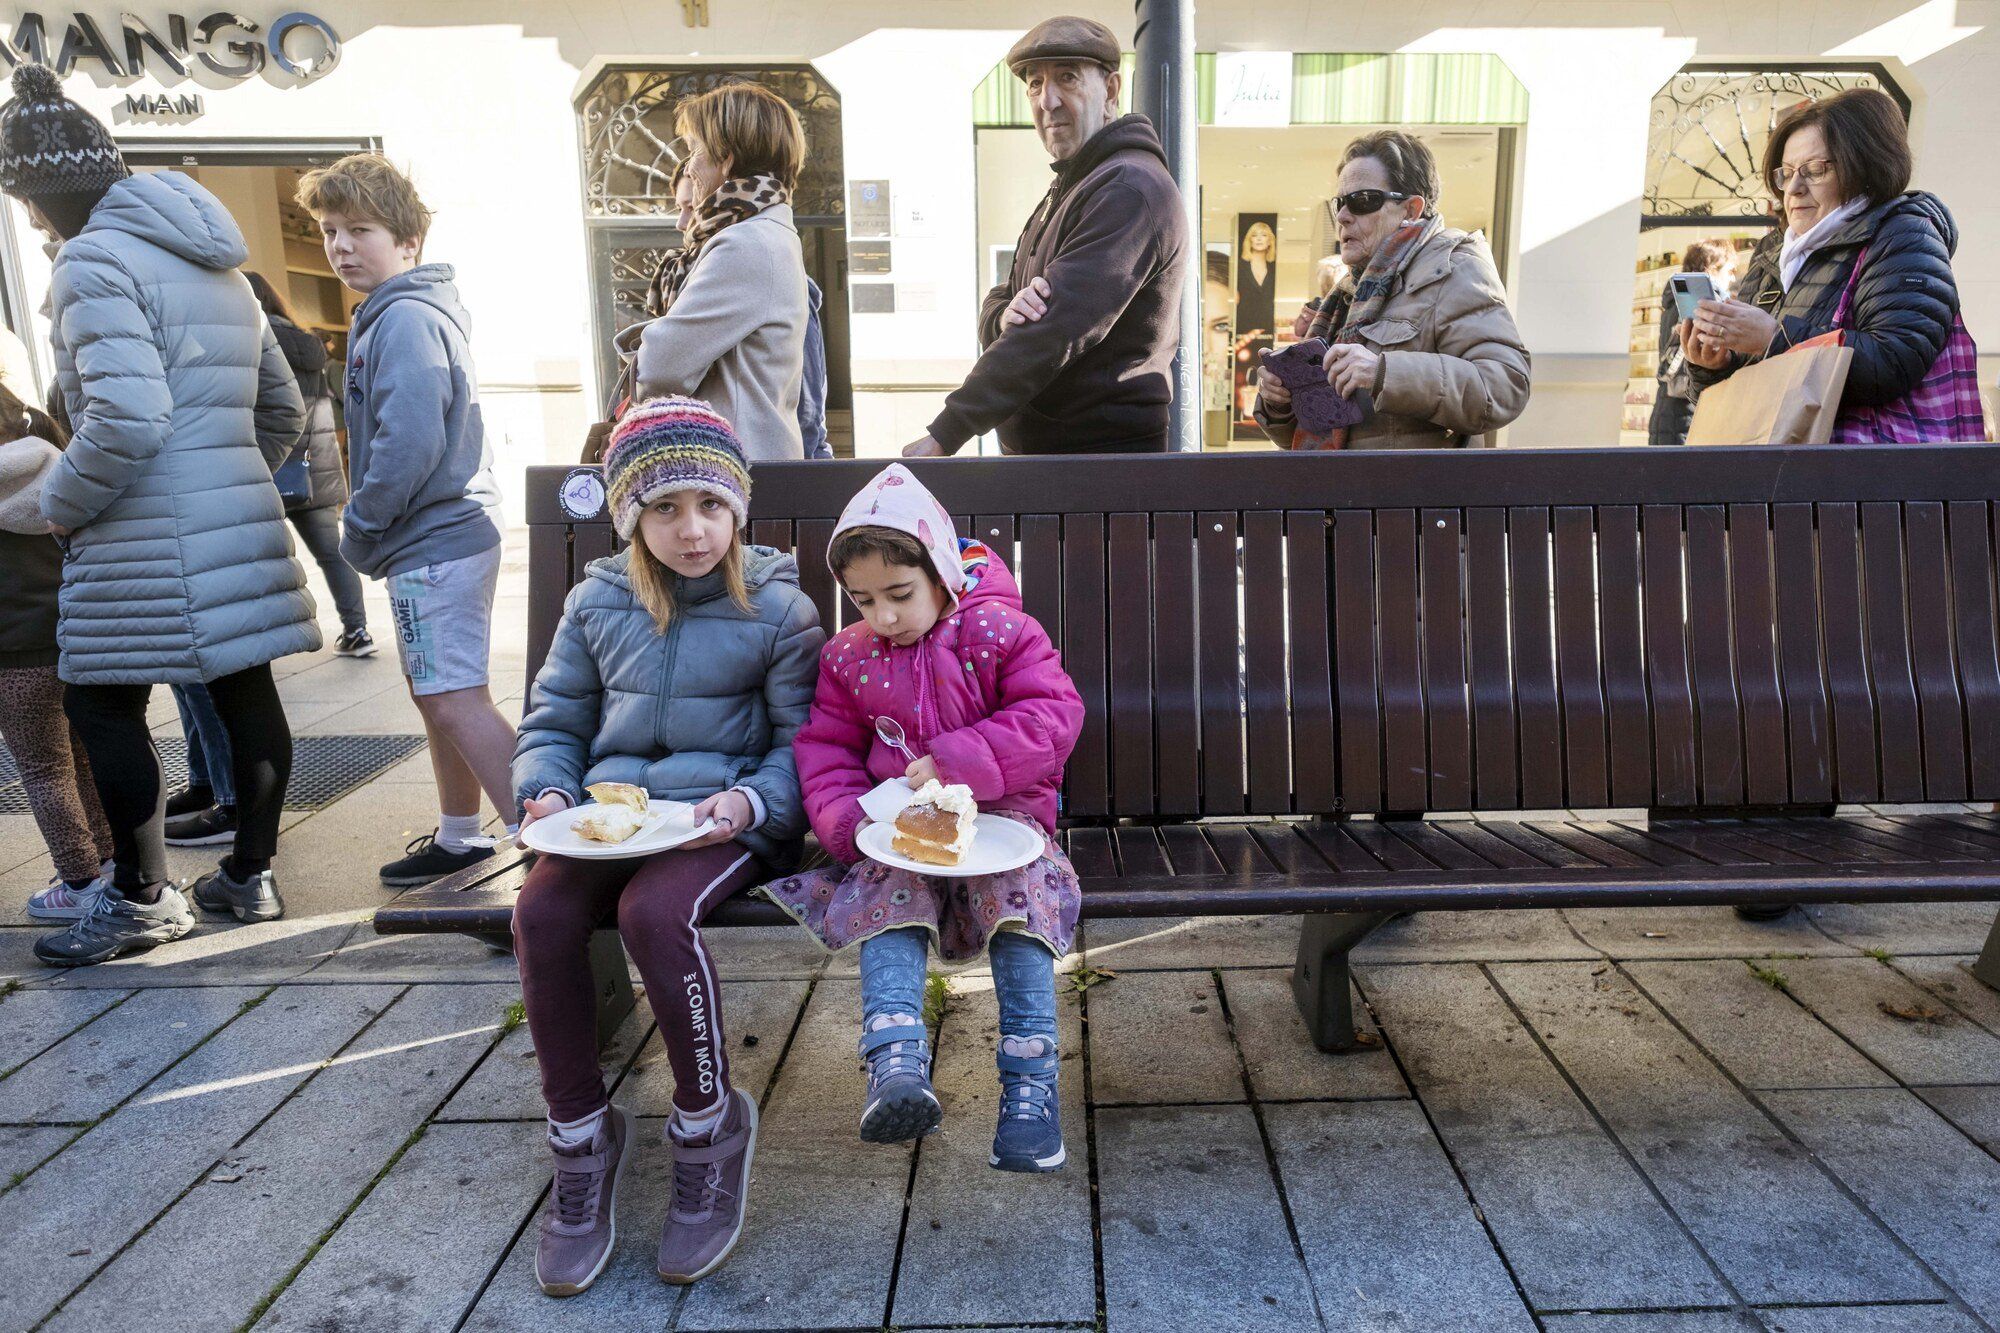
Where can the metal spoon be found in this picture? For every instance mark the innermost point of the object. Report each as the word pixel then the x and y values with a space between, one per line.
pixel 891 734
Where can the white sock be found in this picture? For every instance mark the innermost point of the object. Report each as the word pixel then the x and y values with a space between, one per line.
pixel 577 1133
pixel 455 832
pixel 693 1125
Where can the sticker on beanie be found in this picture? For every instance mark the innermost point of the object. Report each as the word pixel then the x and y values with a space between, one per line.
pixel 581 494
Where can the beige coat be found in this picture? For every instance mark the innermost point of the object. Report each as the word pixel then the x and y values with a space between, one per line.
pixel 1453 364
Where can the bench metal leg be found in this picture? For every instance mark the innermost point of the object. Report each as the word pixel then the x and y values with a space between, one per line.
pixel 1319 978
pixel 1987 969
pixel 613 983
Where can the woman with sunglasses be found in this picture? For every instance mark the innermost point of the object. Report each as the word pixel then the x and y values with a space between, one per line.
pixel 1839 171
pixel 1420 336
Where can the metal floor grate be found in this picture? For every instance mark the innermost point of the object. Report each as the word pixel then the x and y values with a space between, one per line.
pixel 324 768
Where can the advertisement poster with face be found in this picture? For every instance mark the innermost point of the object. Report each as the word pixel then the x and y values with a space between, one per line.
pixel 1256 309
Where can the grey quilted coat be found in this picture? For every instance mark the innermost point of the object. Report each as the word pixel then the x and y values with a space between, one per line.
pixel 180 568
pixel 711 704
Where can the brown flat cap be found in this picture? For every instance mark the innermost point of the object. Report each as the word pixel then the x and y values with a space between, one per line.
pixel 1066 37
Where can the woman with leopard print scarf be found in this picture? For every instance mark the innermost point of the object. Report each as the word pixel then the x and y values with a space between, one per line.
pixel 730 327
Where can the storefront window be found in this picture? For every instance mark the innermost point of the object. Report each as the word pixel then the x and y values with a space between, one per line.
pixel 1710 124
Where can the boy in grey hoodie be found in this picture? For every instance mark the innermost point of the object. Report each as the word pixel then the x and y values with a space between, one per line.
pixel 421 512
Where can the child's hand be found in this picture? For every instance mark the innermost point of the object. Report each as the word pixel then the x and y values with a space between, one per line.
pixel 539 807
pixel 921 771
pixel 731 812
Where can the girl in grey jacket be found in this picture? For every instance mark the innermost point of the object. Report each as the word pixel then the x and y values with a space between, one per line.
pixel 683 665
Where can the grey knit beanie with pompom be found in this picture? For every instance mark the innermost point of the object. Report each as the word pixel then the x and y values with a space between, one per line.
pixel 51 146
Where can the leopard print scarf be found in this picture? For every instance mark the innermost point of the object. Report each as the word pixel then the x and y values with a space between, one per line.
pixel 735 199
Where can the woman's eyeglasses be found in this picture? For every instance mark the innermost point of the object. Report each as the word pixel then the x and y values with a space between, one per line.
pixel 1363 202
pixel 1812 173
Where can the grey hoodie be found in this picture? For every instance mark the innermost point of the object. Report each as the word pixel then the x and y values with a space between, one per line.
pixel 417 461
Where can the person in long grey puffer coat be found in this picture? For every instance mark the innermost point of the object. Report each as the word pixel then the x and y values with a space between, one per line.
pixel 179 567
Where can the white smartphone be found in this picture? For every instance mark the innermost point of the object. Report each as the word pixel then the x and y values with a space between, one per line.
pixel 1690 290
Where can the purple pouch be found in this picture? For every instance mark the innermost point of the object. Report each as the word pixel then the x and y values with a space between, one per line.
pixel 1319 408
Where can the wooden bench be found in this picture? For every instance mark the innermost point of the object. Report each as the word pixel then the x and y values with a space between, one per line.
pixel 1297 666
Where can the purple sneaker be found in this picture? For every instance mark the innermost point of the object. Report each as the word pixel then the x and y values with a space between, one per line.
pixel 711 1176
pixel 579 1225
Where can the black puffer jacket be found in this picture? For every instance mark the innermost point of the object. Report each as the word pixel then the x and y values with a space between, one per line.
pixel 306 355
pixel 1903 306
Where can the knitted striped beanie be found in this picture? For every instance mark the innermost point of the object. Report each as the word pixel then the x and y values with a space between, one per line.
pixel 663 445
pixel 50 145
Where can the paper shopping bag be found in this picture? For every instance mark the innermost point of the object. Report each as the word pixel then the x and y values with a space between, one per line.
pixel 1792 398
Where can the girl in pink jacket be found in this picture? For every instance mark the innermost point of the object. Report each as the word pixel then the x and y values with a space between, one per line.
pixel 945 651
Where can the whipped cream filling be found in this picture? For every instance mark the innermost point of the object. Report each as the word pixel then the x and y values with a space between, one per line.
pixel 955 799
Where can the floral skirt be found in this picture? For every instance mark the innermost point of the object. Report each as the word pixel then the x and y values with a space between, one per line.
pixel 844 905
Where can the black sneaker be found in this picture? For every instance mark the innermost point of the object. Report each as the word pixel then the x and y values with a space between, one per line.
pixel 427 861
pixel 254 899
pixel 354 643
pixel 206 828
pixel 190 800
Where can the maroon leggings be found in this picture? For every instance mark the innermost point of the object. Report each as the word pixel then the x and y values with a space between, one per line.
pixel 660 902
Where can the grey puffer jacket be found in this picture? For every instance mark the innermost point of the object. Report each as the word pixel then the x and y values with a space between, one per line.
pixel 180 403
pixel 711 704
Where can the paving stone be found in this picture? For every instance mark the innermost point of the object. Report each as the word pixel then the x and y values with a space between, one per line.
pixel 757 1020
pixel 1374 1173
pixel 391 1265
pixel 367 956
pixel 1201 941
pixel 1929 1183
pixel 25 1147
pixel 31 1021
pixel 1850 994
pixel 1682 1321
pixel 1758 1033
pixel 1976 1112
pixel 1870 1319
pixel 70 1217
pixel 1697 932
pixel 508 1083
pixel 88 1073
pixel 751 953
pixel 1776 1226
pixel 18 961
pixel 1573 1216
pixel 628 1297
pixel 1284 1064
pixel 224 952
pixel 1907 927
pixel 966 1218
pixel 1426 937
pixel 811 1167
pixel 1951 980
pixel 277 1193
pixel 1193 1233
pixel 1161 1037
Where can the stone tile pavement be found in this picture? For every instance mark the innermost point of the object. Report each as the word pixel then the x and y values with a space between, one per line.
pixel 1629 1121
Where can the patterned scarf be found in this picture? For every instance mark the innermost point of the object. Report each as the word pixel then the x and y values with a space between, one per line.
pixel 735 199
pixel 1346 309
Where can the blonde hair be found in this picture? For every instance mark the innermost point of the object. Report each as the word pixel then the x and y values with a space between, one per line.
pixel 1270 254
pixel 750 125
pixel 653 582
pixel 367 185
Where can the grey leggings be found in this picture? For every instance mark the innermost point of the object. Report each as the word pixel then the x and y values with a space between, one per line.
pixel 319 529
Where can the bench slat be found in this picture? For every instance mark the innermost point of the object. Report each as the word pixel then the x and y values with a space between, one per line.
pixel 1576 659
pixel 1131 666
pixel 1188 852
pixel 1217 648
pixel 1899 731
pixel 1668 679
pixel 1084 619
pixel 1624 650
pixel 1357 701
pixel 1446 698
pixel 1972 567
pixel 1540 707
pixel 1765 779
pixel 1437 847
pixel 1940 704
pixel 1139 851
pixel 1266 706
pixel 1406 756
pixel 1809 738
pixel 1718 719
pixel 1176 695
pixel 1489 658
pixel 1314 778
pixel 1842 631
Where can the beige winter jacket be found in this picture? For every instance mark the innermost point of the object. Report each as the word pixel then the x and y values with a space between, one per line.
pixel 1453 364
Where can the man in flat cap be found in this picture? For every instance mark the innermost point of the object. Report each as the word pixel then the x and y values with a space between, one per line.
pixel 1077 345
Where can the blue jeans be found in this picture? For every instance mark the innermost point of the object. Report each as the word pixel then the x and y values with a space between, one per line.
pixel 1024 979
pixel 207 742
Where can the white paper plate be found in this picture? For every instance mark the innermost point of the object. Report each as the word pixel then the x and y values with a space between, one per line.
pixel 997 845
pixel 668 825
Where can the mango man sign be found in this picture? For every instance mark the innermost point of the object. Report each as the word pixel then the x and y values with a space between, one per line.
pixel 226 45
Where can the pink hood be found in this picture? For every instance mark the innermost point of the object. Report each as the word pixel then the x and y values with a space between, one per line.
pixel 984 694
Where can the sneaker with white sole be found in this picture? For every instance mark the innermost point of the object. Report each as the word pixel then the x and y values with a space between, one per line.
pixel 63 901
pixel 252 899
pixel 117 925
pixel 579 1225
pixel 711 1177
pixel 354 643
pixel 204 828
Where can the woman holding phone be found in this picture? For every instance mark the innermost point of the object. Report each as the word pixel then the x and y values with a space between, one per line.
pixel 1672 413
pixel 1854 236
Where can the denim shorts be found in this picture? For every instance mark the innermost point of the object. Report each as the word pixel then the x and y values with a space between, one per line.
pixel 443 615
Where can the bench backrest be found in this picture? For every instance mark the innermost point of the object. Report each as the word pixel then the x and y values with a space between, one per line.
pixel 1478 630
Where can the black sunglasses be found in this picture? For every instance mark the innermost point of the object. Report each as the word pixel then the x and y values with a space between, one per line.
pixel 1363 202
